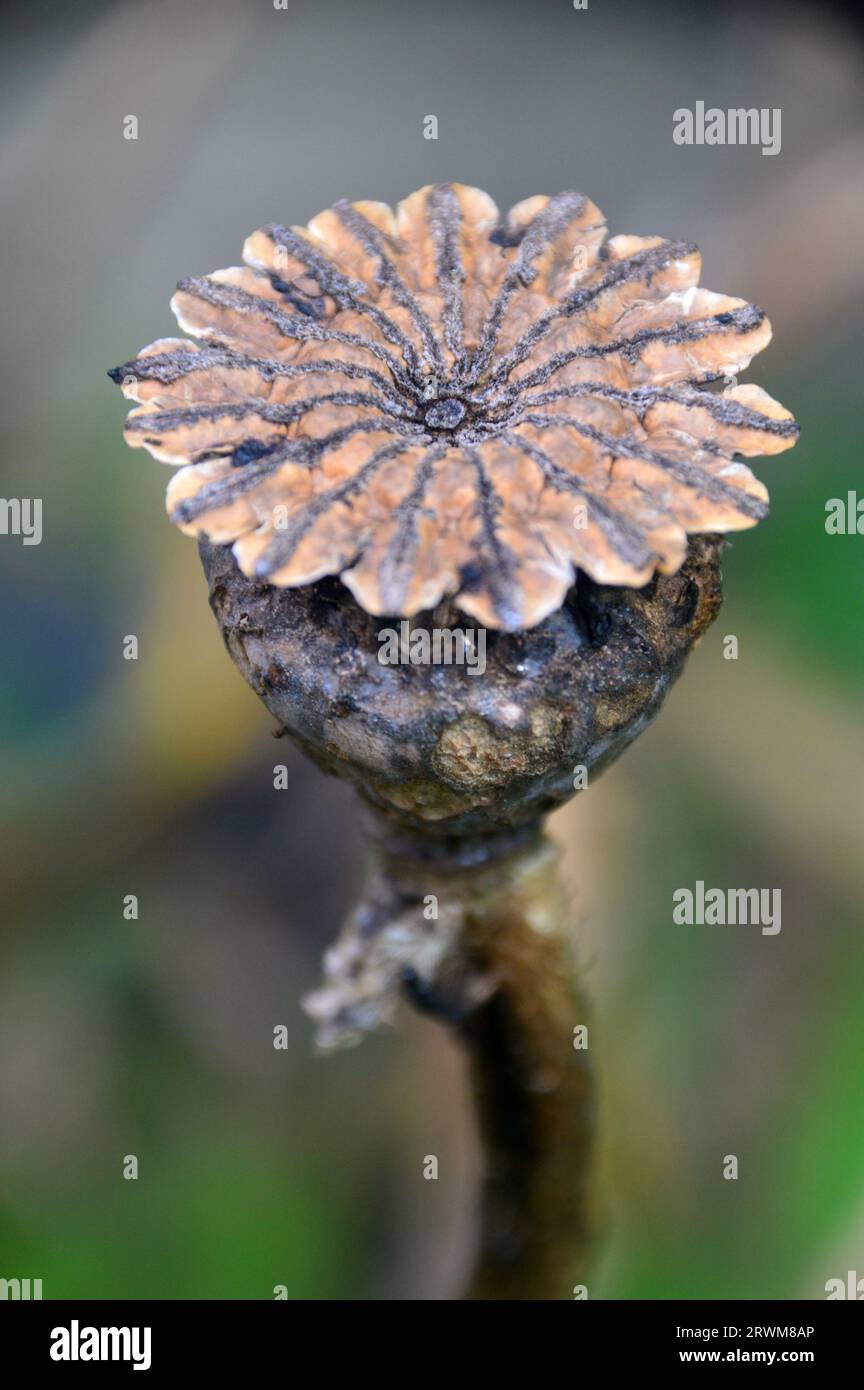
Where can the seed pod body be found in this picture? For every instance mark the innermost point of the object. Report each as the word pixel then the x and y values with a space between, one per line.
pixel 445 753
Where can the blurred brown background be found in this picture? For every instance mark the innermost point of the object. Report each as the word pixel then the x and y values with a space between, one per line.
pixel 261 1167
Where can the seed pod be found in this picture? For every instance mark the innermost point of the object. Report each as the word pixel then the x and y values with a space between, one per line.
pixel 460 761
pixel 439 416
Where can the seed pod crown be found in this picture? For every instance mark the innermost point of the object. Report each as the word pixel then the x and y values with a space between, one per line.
pixel 437 402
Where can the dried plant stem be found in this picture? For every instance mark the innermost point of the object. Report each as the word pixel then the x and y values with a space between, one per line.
pixel 533 1089
pixel 498 967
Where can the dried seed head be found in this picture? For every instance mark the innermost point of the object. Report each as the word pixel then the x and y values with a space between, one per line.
pixel 456 765
pixel 432 402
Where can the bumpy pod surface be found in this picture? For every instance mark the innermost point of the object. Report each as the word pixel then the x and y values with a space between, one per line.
pixel 453 761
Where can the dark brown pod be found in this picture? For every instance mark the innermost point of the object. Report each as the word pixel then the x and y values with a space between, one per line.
pixel 455 759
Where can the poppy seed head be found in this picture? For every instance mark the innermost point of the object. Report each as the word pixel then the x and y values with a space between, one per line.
pixel 436 403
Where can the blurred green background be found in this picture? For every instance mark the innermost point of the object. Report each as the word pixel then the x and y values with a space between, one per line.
pixel 154 1037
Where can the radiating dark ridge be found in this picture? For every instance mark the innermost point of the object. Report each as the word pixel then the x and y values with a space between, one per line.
pixel 727 412
pixel 581 389
pixel 735 321
pixel 641 398
pixel 445 217
pixel 687 472
pixel 289 325
pixel 304 452
pixel 370 238
pixel 168 367
pixel 499 576
pixel 627 399
pixel 742 320
pixel 642 265
pixel 559 212
pixel 285 542
pixel 395 568
pixel 223 491
pixel 546 227
pixel 626 539
pixel 348 293
pixel 275 413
